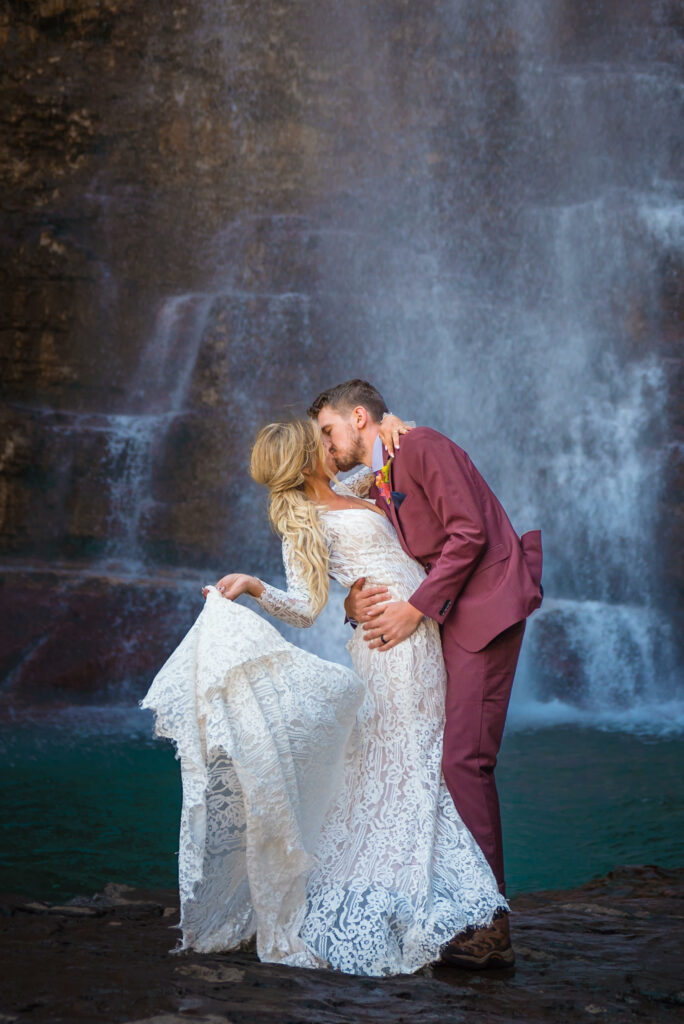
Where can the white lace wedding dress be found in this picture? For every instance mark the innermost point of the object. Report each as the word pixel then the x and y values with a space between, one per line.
pixel 314 811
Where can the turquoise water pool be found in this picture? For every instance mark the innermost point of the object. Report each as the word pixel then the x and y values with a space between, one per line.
pixel 88 802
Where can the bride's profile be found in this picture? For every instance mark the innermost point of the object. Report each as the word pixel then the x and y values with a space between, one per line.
pixel 315 816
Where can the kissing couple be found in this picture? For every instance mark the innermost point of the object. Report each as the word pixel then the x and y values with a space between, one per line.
pixel 350 819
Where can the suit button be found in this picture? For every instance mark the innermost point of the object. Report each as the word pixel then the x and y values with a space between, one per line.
pixel 428 566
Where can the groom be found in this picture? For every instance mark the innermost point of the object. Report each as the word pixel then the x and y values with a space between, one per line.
pixel 482 582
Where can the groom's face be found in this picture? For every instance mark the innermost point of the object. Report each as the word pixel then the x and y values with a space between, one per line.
pixel 341 438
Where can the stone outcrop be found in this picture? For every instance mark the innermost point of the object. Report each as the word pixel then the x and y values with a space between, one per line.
pixel 69 633
pixel 609 951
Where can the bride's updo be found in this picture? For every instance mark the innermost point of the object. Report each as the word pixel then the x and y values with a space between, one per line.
pixel 281 453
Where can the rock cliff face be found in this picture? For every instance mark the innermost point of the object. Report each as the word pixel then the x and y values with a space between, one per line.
pixel 211 211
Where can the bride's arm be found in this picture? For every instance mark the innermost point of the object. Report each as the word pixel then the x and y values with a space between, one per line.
pixel 293 605
pixel 391 427
pixel 237 583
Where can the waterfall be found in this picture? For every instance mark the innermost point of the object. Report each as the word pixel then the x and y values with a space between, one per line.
pixel 480 208
pixel 160 390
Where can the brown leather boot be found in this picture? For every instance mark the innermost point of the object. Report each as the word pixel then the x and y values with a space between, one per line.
pixel 481 949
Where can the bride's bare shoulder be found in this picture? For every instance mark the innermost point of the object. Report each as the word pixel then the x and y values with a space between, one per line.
pixel 357 484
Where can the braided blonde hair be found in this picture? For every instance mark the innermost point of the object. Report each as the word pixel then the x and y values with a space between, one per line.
pixel 281 453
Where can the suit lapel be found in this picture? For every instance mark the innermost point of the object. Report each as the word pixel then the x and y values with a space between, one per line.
pixel 391 511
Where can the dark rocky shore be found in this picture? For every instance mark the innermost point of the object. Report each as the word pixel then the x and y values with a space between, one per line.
pixel 609 951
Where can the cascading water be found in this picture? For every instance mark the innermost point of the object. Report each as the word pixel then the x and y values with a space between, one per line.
pixel 540 349
pixel 476 206
pixel 160 393
pixel 480 207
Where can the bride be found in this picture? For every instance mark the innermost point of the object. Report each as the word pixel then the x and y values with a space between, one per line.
pixel 314 811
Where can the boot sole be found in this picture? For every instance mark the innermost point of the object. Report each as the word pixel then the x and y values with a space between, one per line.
pixel 497 958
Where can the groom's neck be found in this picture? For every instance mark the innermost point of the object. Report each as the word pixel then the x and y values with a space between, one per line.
pixel 369 443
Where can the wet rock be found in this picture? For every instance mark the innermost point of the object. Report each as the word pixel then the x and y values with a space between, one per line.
pixel 74 911
pixel 218 974
pixel 36 908
pixel 176 1018
pixel 608 951
pixel 67 634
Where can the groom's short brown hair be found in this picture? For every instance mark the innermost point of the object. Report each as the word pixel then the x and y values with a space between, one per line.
pixel 347 396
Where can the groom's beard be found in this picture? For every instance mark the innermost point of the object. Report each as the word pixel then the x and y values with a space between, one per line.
pixel 353 453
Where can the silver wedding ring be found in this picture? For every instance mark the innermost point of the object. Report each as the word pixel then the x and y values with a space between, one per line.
pixel 382 638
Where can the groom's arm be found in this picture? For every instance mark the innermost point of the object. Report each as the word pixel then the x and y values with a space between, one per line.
pixel 440 470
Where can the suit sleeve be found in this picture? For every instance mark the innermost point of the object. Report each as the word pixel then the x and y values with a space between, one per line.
pixel 440 469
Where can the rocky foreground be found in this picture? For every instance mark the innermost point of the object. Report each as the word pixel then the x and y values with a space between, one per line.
pixel 609 951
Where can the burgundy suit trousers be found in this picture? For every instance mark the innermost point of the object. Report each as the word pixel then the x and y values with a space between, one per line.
pixel 478 691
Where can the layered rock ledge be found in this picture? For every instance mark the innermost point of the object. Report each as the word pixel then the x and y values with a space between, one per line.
pixel 608 951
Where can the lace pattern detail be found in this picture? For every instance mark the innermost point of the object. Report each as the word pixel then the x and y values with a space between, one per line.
pixel 258 724
pixel 294 604
pixel 357 483
pixel 361 861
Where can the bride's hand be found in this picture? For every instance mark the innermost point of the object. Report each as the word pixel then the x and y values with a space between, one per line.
pixel 390 429
pixel 237 583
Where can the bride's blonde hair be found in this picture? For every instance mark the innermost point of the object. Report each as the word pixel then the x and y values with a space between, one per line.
pixel 281 453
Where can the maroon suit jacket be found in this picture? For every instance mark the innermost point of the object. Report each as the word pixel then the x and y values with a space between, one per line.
pixel 482 577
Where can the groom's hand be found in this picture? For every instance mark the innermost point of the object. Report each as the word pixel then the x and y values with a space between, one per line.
pixel 391 624
pixel 359 604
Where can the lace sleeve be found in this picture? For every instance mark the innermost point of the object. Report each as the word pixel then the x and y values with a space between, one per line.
pixel 358 484
pixel 294 604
